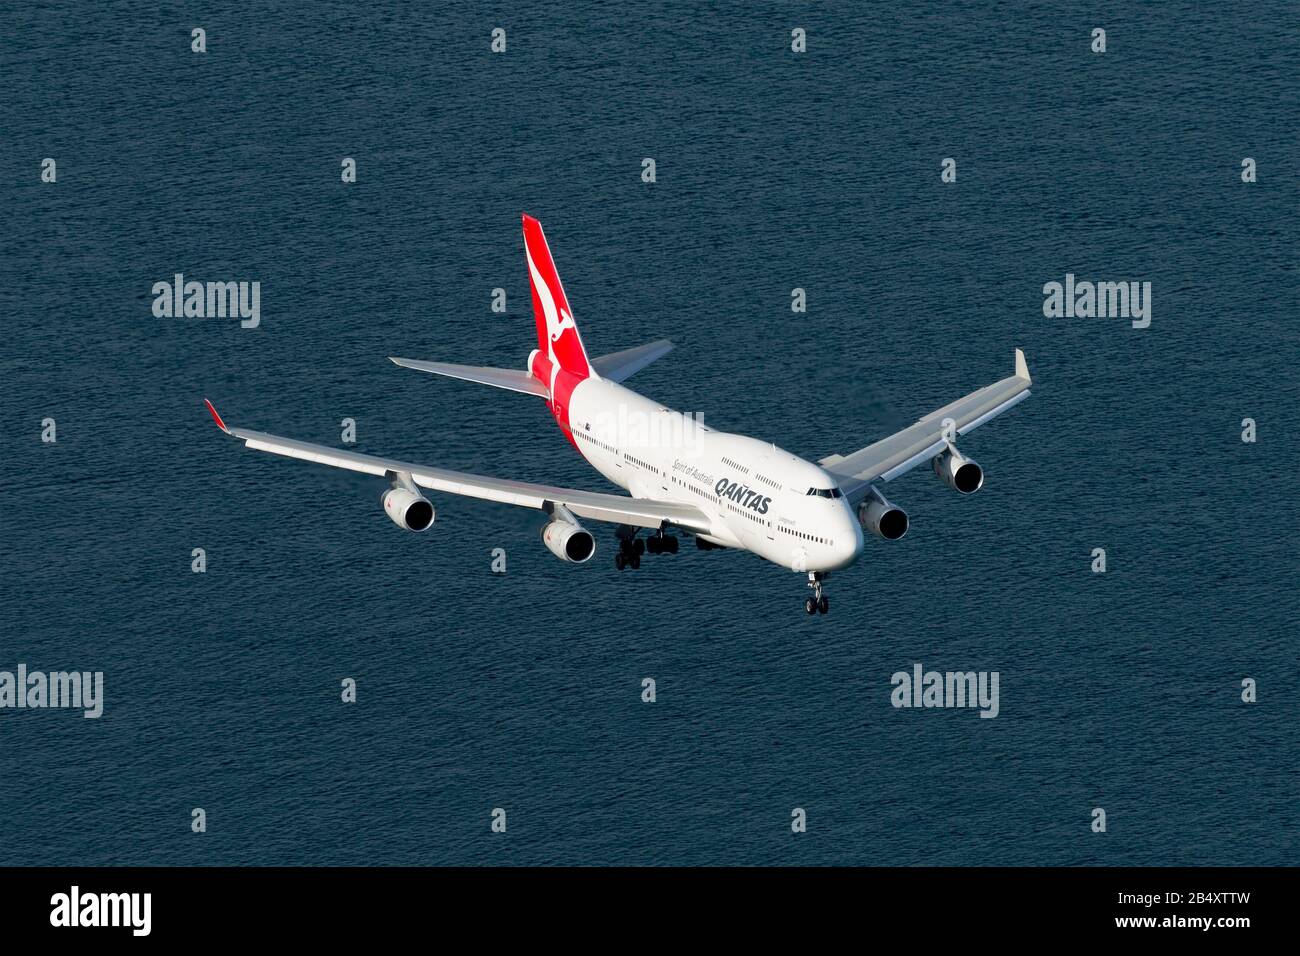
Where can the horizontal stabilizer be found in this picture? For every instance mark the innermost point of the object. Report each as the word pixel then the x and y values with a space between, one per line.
pixel 507 378
pixel 619 366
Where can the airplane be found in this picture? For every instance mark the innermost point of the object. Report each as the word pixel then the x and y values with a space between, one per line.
pixel 682 477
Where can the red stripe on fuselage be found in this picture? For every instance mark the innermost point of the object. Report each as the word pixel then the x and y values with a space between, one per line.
pixel 560 395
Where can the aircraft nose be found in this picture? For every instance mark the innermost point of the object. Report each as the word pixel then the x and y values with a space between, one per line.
pixel 849 542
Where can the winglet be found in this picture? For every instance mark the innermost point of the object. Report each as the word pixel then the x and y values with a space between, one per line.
pixel 1022 367
pixel 216 418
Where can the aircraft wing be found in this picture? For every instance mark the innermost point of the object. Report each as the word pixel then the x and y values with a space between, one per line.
pixel 898 454
pixel 640 512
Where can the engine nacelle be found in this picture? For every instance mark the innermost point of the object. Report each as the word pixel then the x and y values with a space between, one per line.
pixel 883 518
pixel 569 541
pixel 959 472
pixel 408 509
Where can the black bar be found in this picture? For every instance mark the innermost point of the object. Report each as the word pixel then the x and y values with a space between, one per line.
pixel 215 904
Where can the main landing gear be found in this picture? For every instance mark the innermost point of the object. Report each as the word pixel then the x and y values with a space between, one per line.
pixel 629 553
pixel 660 543
pixel 630 547
pixel 818 603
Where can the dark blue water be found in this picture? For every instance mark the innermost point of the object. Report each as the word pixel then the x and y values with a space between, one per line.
pixel 775 170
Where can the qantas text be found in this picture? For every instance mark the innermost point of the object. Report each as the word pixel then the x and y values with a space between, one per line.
pixel 742 494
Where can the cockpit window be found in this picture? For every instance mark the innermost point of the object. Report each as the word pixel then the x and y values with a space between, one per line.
pixel 826 492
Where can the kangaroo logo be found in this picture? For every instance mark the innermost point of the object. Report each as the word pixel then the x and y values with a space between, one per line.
pixel 555 324
pixel 556 329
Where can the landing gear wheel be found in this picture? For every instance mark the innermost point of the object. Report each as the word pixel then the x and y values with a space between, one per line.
pixel 619 561
pixel 654 545
pixel 638 546
pixel 635 560
pixel 672 545
pixel 818 603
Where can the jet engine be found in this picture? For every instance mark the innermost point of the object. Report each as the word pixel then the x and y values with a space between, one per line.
pixel 883 518
pixel 959 472
pixel 568 541
pixel 407 508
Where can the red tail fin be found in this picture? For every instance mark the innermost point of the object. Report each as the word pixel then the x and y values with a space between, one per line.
pixel 557 334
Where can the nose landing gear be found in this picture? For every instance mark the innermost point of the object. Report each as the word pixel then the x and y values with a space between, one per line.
pixel 818 603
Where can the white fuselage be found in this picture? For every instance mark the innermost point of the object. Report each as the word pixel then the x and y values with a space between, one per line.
pixel 757 496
